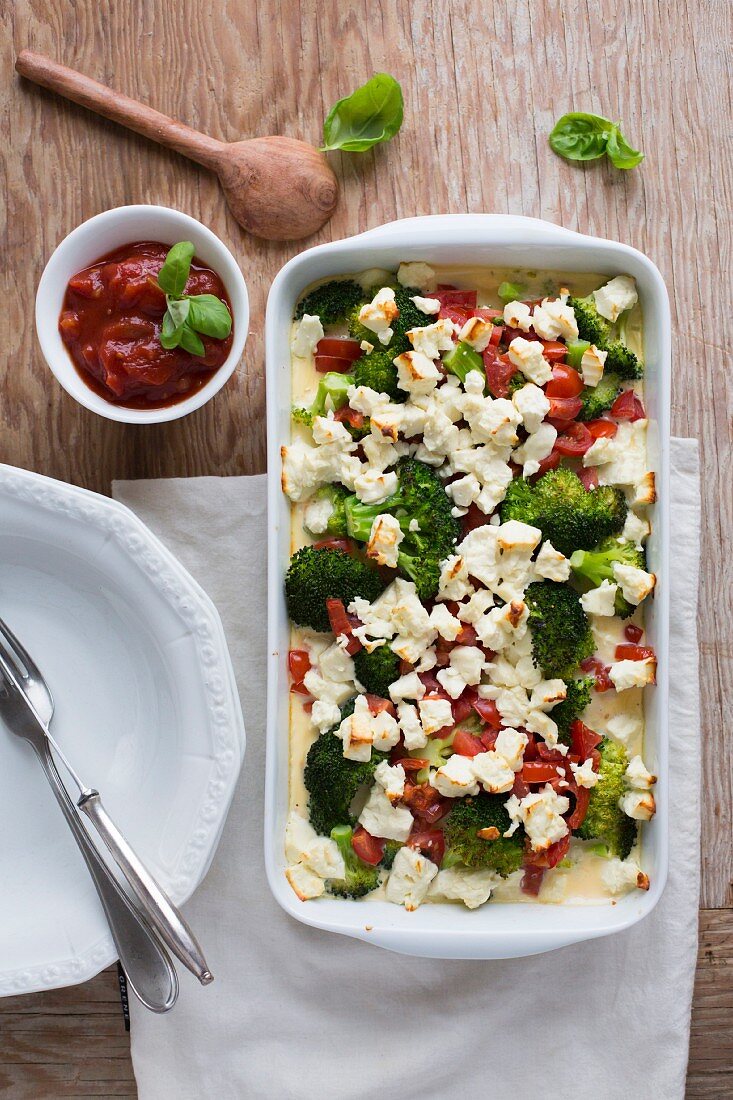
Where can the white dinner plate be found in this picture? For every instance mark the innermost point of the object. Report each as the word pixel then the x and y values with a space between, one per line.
pixel 146 709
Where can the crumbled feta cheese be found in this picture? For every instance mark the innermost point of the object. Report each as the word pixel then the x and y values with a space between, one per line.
pixel 410 878
pixel 417 274
pixel 332 691
pixel 547 694
pixel 535 448
pixel 468 661
pixel 432 339
pixel 493 772
pixel 616 297
pixel 379 314
pixel 324 858
pixel 600 600
pixel 456 777
pixel 317 515
pixel 601 451
pixel 510 744
pixel 532 405
pixel 384 540
pixel 629 674
pixel 413 734
pixel 380 818
pixel 325 715
pixel 392 778
pixel 591 365
pixel 356 732
pixel 447 625
pixel 336 665
pixel 464 490
pixel 636 584
pixel 501 625
pixel 515 535
pixel 638 804
pixel 584 774
pixel 636 528
pixel 435 714
pixel 299 835
pixel 526 356
pixel 454 583
pixel 627 459
pixel 327 430
pixel 478 604
pixel 477 333
pixel 638 776
pixel 517 315
pixel 541 815
pixel 430 306
pixel 366 400
pixel 306 883
pixel 643 491
pixel 555 319
pixel 416 373
pixel 624 728
pixel 619 875
pixel 373 487
pixel 472 887
pixel 366 347
pixel 551 564
pixel 308 332
pixel 409 686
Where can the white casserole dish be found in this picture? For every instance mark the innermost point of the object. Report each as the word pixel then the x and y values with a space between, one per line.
pixel 445 930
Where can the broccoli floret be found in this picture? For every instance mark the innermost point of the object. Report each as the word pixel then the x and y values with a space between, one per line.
pixel 409 317
pixel 598 399
pixel 611 338
pixel 377 370
pixel 623 361
pixel 605 820
pixel 467 817
pixel 332 781
pixel 436 752
pixel 591 326
pixel 420 496
pixel 572 706
pixel 596 566
pixel 391 848
pixel 377 670
pixel 572 517
pixel 561 633
pixel 317 575
pixel 360 877
pixel 335 495
pixel 331 302
pixel 516 382
pixel 332 393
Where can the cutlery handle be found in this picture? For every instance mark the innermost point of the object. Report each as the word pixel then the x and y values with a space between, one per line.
pixel 145 961
pixel 119 108
pixel 159 909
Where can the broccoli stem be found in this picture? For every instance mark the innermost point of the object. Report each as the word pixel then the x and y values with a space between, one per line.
pixel 462 360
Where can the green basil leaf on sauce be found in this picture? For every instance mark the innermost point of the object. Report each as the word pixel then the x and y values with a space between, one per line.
pixel 170 334
pixel 620 152
pixel 190 341
pixel 580 136
pixel 209 315
pixel 370 115
pixel 173 275
pixel 179 309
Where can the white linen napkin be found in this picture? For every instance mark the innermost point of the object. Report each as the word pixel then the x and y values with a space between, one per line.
pixel 299 1013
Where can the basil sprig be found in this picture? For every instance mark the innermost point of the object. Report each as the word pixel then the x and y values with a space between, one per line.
pixel 188 315
pixel 582 136
pixel 371 114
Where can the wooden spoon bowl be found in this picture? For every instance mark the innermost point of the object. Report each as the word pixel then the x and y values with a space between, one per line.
pixel 278 188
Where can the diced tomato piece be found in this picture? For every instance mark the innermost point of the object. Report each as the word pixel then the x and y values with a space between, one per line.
pixel 298 664
pixel 633 633
pixel 486 313
pixel 564 408
pixel 550 463
pixel 601 429
pixel 630 652
pixel 549 755
pixel 554 351
pixel 334 543
pixel 565 381
pixel 532 880
pixel 342 347
pixel 421 797
pixel 583 739
pixel 488 711
pixel 530 749
pixel 326 363
pixel 463 705
pixel 377 704
pixel 473 518
pixel 455 314
pixel 467 635
pixel 628 406
pixel 411 763
pixel 466 744
pixel 520 788
pixel 589 477
pixel 575 441
pixel 538 771
pixel 577 817
pixel 499 370
pixel 600 671
pixel 488 739
pixel 551 856
pixel 341 624
pixel 347 415
pixel 432 687
pixel 449 296
pixel 367 847
pixel 513 333
pixel 430 842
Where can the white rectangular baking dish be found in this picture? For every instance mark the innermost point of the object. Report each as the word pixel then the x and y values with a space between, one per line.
pixel 444 930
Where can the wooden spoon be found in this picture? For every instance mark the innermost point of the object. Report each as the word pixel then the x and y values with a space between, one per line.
pixel 277 187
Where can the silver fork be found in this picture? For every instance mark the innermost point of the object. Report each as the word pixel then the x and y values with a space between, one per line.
pixel 150 973
pixel 159 910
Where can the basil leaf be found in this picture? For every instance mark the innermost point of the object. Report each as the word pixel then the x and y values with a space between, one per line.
pixel 371 114
pixel 178 309
pixel 620 152
pixel 209 315
pixel 170 333
pixel 191 341
pixel 173 275
pixel 580 136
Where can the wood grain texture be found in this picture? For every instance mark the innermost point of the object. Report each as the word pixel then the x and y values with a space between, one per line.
pixel 483 87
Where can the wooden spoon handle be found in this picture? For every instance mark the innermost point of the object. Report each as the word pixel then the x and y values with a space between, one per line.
pixel 119 108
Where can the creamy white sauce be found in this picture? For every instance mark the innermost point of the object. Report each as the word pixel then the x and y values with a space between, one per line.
pixel 580 883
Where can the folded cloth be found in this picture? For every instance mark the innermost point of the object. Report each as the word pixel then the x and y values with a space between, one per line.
pixel 296 1012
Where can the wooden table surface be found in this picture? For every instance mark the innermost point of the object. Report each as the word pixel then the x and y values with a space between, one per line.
pixel 483 85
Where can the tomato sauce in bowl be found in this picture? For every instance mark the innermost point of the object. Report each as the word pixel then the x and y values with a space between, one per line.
pixel 111 321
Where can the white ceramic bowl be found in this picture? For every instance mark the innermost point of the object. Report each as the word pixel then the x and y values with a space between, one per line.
pixel 444 930
pixel 102 234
